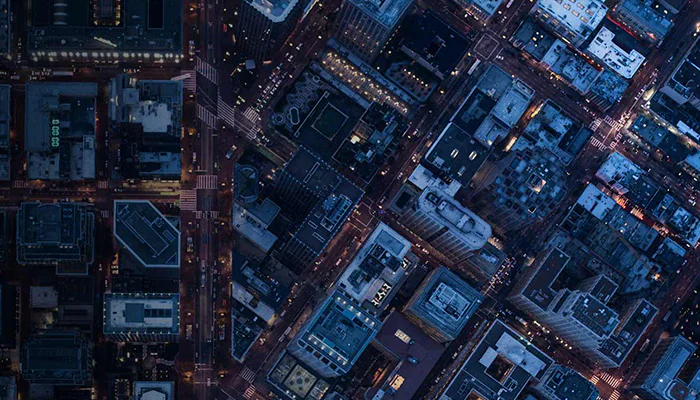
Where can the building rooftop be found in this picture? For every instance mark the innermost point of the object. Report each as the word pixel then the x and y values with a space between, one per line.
pixel 141 313
pixel 670 255
pixel 377 269
pixel 60 130
pixel 8 388
pixel 146 233
pixel 9 317
pixel 337 198
pixel 563 383
pixel 154 390
pixel 500 366
pixel 252 221
pixel 570 66
pixel 339 331
pixel 661 372
pixel 631 327
pixel 415 351
pixel 84 30
pixel 687 224
pixel 552 128
pixel 582 19
pixel 661 138
pixel 627 178
pixel 386 12
pixel 533 39
pixel 5 28
pixel 493 106
pixel 604 47
pixel 434 43
pixel 457 154
pixel 487 7
pixel 154 105
pixel 683 84
pixel 539 289
pixel 260 290
pixel 55 233
pixel 5 120
pixel 58 357
pixel 656 17
pixel 461 221
pixel 608 86
pixel 444 302
pixel 295 381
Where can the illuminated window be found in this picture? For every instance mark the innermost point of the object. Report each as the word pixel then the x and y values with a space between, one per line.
pixel 402 336
pixel 397 382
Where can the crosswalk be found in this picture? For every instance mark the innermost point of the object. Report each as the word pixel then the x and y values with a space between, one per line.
pixel 102 185
pixel 615 395
pixel 616 125
pixel 228 116
pixel 208 214
pixel 595 124
pixel 248 394
pixel 251 114
pixel 188 200
pixel 19 183
pixel 610 380
pixel 104 213
pixel 191 82
pixel 206 70
pixel 207 117
pixel 207 182
pixel 247 374
pixel 597 143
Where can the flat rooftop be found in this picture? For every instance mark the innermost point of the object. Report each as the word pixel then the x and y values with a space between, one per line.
pixel 627 178
pixel 462 222
pixel 86 30
pixel 664 375
pixel 56 357
pixel 154 390
pixel 60 130
pixel 627 334
pixel 386 12
pixel 416 352
pixel 533 39
pixel 553 129
pixel 687 225
pixel 493 106
pixel 55 233
pixel 259 289
pixel 661 138
pixel 657 22
pixel 5 28
pixel 5 115
pixel 604 47
pixel 141 312
pixel 377 269
pixel 500 366
pixel 293 380
pixel 457 154
pixel 445 302
pixel 581 19
pixel 571 66
pixel 340 330
pixel 539 290
pixel 336 196
pixel 146 233
pixel 431 39
pixel 563 383
pixel 608 86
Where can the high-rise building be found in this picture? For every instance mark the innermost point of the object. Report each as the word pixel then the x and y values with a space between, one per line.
pixel 142 317
pixel 378 269
pixel 499 367
pixel 57 357
pixel 364 26
pixel 661 375
pixel 443 304
pixel 581 315
pixel 320 199
pixel 445 224
pixel 264 25
pixel 334 336
pixel 154 390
